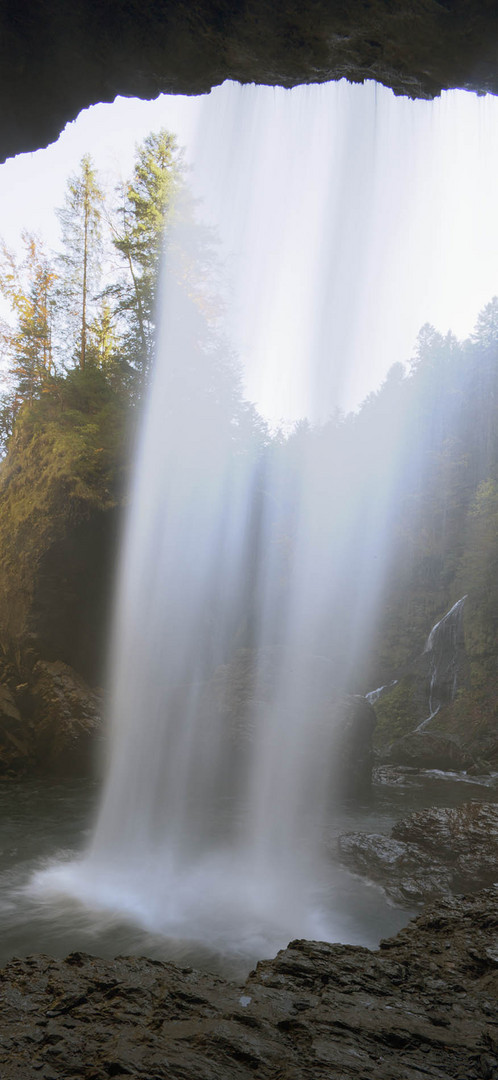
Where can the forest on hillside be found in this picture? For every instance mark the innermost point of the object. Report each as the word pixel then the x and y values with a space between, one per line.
pixel 412 475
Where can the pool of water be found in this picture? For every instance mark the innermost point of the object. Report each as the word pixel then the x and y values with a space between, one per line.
pixel 45 822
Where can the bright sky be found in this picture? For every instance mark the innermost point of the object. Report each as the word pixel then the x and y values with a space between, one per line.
pixel 32 185
pixel 349 218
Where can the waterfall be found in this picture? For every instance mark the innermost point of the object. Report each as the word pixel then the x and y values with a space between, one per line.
pixel 442 647
pixel 250 578
pixel 374 695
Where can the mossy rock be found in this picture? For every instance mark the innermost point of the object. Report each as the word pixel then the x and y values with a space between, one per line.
pixel 62 479
pixel 396 712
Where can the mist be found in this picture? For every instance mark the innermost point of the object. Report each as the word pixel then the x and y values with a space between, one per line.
pixel 256 560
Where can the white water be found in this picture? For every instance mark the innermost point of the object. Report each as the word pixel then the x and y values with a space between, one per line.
pixel 374 695
pixel 442 645
pixel 210 826
pixel 450 617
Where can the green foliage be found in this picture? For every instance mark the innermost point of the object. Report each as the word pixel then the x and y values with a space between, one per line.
pixel 67 431
pixel 147 203
pixel 71 440
pixel 8 408
pixel 395 712
pixel 59 319
pixel 478 569
pixel 150 196
pixel 29 286
pixel 66 461
pixel 80 260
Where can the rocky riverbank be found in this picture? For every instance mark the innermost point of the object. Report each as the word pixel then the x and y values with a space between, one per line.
pixel 427 998
pixel 434 852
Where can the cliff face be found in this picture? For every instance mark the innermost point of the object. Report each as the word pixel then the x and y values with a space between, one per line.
pixel 56 59
pixel 61 494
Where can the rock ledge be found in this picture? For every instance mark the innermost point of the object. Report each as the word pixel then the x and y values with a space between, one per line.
pixel 430 853
pixel 317 1011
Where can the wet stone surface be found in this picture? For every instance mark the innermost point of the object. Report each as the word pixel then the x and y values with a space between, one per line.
pixel 430 853
pixel 427 998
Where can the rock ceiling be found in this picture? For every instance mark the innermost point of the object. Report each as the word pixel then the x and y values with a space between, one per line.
pixel 58 57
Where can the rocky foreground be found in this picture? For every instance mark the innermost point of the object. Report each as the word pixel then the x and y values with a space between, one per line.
pixel 424 1005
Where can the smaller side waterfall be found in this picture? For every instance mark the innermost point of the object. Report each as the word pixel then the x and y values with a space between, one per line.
pixel 443 648
pixel 374 695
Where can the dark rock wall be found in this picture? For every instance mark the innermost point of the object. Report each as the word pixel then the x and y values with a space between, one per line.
pixel 56 59
pixel 73 589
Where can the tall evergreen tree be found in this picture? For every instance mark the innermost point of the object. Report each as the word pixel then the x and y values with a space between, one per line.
pixel 28 285
pixel 145 205
pixel 80 260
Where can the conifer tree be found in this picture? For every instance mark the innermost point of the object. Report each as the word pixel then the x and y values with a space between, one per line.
pixel 145 205
pixel 102 339
pixel 29 286
pixel 80 260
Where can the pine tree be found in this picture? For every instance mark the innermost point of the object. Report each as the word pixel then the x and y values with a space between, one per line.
pixel 29 286
pixel 80 261
pixel 102 338
pixel 146 203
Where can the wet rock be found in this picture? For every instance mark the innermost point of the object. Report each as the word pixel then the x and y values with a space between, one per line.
pixel 431 853
pixel 409 875
pixel 423 1006
pixel 66 720
pixel 477 777
pixel 466 838
pixel 396 775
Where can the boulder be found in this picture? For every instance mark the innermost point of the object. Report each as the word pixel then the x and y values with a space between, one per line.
pixel 430 853
pixel 463 837
pixel 423 1006
pixel 429 750
pixel 409 875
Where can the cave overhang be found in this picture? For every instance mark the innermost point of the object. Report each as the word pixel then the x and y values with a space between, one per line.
pixel 58 57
